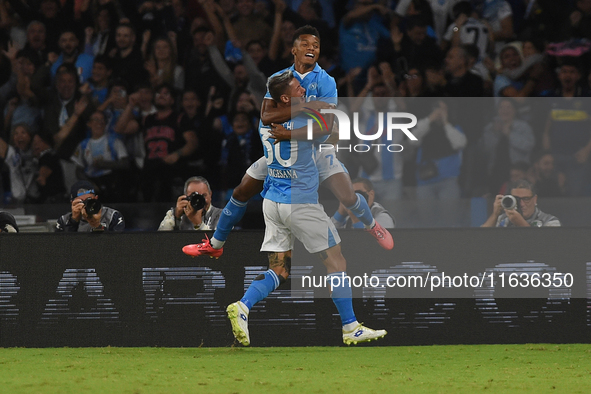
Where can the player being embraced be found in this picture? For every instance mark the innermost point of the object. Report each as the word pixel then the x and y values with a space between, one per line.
pixel 291 209
pixel 318 86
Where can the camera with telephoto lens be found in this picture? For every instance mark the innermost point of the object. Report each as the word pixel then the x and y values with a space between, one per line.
pixel 92 206
pixel 511 202
pixel 196 200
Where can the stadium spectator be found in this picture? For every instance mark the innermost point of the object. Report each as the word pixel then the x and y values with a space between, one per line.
pixel 245 76
pixel 240 149
pixel 65 112
pixel 499 15
pixel 158 17
pixel 441 10
pixel 162 65
pixel 409 49
pixel 412 83
pixel 166 147
pixel 533 54
pixel 505 141
pixel 525 214
pixel 100 157
pixel 100 78
pixel 199 70
pixel 87 213
pixel 68 44
pixel 515 80
pixel 544 176
pixel 22 108
pixel 310 12
pixel 100 39
pixel 7 223
pixel 260 56
pixel 359 32
pixel 439 155
pixel 185 216
pixel 343 219
pixel 460 81
pixel 568 131
pixel 251 25
pixel 23 167
pixel 37 41
pixel 466 29
pixel 128 62
pixel 50 178
pixel 54 18
pixel 138 106
pixel 282 38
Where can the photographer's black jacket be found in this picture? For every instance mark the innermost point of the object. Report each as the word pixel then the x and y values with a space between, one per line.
pixel 111 219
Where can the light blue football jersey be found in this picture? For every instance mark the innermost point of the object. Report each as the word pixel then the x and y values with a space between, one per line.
pixel 292 176
pixel 318 84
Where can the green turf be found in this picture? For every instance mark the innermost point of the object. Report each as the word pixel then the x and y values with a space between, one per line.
pixel 429 369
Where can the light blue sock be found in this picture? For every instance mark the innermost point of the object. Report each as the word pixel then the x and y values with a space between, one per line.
pixel 260 288
pixel 231 215
pixel 361 210
pixel 342 296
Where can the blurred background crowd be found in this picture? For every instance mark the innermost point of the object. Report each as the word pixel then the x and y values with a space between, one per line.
pixel 137 96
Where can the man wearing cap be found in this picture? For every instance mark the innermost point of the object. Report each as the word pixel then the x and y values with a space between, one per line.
pixel 106 219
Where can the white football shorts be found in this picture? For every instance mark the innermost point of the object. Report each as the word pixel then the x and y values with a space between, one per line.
pixel 306 222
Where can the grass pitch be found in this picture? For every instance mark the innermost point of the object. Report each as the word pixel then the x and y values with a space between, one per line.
pixel 530 368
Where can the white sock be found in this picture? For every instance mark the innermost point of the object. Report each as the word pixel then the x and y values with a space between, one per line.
pixel 216 244
pixel 350 327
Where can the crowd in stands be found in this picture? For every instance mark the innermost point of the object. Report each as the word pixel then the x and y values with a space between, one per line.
pixel 138 96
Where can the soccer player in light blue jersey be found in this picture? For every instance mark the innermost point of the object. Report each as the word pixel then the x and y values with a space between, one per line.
pixel 321 91
pixel 291 210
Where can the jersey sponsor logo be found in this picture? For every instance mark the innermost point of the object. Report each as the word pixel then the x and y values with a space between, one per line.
pixel 282 174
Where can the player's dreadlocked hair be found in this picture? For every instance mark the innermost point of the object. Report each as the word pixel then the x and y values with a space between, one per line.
pixel 278 84
pixel 305 30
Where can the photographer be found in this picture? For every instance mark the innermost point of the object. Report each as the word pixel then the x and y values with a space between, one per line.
pixel 519 209
pixel 88 214
pixel 193 210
